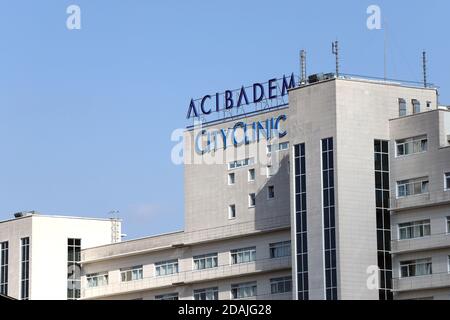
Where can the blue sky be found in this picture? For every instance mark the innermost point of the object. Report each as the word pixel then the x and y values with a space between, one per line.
pixel 86 115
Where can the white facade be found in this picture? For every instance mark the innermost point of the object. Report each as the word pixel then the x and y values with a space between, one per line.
pixel 48 251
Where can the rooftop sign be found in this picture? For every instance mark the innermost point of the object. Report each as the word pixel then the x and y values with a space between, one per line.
pixel 259 96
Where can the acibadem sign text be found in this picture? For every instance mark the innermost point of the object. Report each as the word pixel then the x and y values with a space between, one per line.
pixel 229 100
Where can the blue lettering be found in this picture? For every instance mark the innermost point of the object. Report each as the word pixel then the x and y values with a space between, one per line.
pixel 272 88
pixel 242 94
pixel 192 108
pixel 258 98
pixel 202 105
pixel 281 134
pixel 286 86
pixel 229 99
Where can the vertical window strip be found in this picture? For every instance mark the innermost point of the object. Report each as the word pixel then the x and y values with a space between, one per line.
pixel 4 256
pixel 382 195
pixel 329 229
pixel 25 269
pixel 73 269
pixel 301 222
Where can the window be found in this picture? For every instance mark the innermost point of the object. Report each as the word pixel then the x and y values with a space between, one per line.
pixel 207 261
pixel 251 200
pixel 167 296
pixel 270 171
pixel 428 104
pixel 73 269
pixel 251 175
pixel 383 219
pixel 329 229
pixel 448 224
pixel 280 249
pixel 131 274
pixel 241 163
pixel 412 187
pixel 4 256
pixel 416 106
pixel 97 279
pixel 447 181
pixel 25 268
pixel 412 230
pixel 411 146
pixel 283 146
pixel 232 211
pixel 281 285
pixel 270 192
pixel 166 267
pixel 402 107
pixel 415 268
pixel 244 255
pixel 231 179
pixel 301 222
pixel 243 290
pixel 280 147
pixel 207 294
pixel 448 264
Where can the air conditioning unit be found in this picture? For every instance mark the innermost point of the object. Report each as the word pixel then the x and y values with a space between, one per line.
pixel 315 77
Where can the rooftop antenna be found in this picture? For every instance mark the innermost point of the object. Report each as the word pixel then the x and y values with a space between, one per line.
pixel 302 67
pixel 424 63
pixel 335 51
pixel 115 230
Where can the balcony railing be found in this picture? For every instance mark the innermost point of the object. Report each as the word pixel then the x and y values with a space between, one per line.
pixel 187 277
pixel 181 239
pixel 435 241
pixel 432 281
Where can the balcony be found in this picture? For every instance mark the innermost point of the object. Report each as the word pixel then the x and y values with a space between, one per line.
pixel 181 239
pixel 437 241
pixel 188 277
pixel 433 281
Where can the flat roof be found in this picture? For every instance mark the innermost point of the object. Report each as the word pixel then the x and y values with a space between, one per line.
pixel 57 217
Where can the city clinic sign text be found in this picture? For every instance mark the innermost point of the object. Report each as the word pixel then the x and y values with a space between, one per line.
pixel 240 134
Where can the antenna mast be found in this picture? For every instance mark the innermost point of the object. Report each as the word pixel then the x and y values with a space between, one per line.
pixel 335 51
pixel 302 67
pixel 424 62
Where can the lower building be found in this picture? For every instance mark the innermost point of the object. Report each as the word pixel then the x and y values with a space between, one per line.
pixel 40 254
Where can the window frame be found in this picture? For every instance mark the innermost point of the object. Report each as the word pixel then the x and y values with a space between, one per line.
pixel 410 144
pixel 168 296
pixel 284 246
pixel 236 288
pixel 401 103
pixel 416 103
pixel 271 196
pixel 411 229
pixel 285 282
pixel 446 181
pixel 251 177
pixel 206 291
pixel 241 252
pixel 231 178
pixel 448 225
pixel 252 200
pixel 414 263
pixel 424 181
pixel 214 261
pixel 231 212
pixel 239 164
pixel 97 275
pixel 131 270
pixel 164 265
